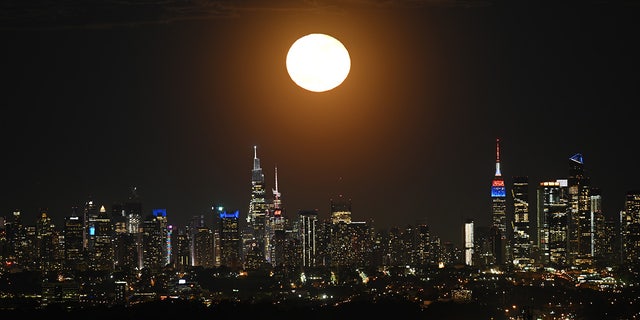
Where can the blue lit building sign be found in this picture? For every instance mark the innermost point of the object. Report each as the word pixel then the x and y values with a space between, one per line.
pixel 497 188
pixel 92 231
pixel 498 192
pixel 233 215
pixel 159 212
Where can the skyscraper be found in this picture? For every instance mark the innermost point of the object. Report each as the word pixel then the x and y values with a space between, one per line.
pixel 17 238
pixel 468 242
pixel 161 216
pixel 102 254
pixel 203 248
pixel 340 209
pixel 257 213
pixel 630 229
pixel 45 242
pixel 134 217
pixel 153 242
pixel 308 220
pixel 90 215
pixel 421 251
pixel 553 220
pixel 230 244
pixel 277 202
pixel 498 213
pixel 521 239
pixel 597 219
pixel 180 255
pixel 580 222
pixel 73 240
pixel 275 227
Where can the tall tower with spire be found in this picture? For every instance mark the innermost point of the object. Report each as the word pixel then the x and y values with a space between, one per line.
pixel 277 203
pixel 275 228
pixel 255 244
pixel 257 204
pixel 498 212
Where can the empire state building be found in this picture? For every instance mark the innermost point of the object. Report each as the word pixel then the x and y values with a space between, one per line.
pixel 498 213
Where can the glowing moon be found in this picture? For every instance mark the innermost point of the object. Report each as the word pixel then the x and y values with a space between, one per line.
pixel 318 62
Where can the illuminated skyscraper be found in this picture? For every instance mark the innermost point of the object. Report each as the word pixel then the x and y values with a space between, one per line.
pixel 630 229
pixel 17 242
pixel 125 243
pixel 134 218
pixel 340 209
pixel 308 220
pixel 597 217
pixel 605 236
pixel 133 212
pixel 498 213
pixel 275 227
pixel 421 251
pixel 90 215
pixel 203 248
pixel 196 224
pixel 468 242
pixel 230 241
pixel 45 242
pixel 580 221
pixel 257 213
pixel 553 221
pixel 153 242
pixel 161 216
pixel 101 257
pixel 73 241
pixel 521 241
pixel 180 255
pixel 277 202
pixel 350 241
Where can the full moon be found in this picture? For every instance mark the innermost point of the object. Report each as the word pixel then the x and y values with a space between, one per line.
pixel 318 62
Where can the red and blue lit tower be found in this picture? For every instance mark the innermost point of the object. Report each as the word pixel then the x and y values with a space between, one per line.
pixel 498 212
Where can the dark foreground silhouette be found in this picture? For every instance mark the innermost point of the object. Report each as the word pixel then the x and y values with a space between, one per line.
pixel 184 310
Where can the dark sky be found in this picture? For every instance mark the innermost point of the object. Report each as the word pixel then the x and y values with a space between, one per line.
pixel 171 97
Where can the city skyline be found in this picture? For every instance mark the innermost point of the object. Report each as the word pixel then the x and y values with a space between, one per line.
pixel 217 208
pixel 172 98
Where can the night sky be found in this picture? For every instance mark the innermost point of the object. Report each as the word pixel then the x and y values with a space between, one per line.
pixel 171 97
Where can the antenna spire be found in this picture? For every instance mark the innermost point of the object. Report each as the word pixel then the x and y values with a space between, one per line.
pixel 498 157
pixel 276 189
pixel 276 193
